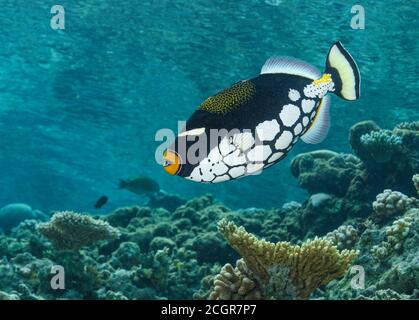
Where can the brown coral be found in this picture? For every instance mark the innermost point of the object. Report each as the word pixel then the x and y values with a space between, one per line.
pixel 68 230
pixel 390 203
pixel 314 263
pixel 344 237
pixel 235 283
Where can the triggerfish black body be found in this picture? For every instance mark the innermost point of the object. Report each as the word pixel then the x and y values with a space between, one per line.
pixel 258 121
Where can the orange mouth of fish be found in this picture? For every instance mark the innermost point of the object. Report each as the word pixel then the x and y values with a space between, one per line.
pixel 171 162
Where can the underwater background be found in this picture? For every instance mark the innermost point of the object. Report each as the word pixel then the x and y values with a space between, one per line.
pixel 80 107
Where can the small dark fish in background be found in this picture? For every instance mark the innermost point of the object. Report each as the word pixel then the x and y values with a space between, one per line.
pixel 101 202
pixel 140 185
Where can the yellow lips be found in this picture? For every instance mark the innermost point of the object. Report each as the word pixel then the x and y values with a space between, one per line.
pixel 172 162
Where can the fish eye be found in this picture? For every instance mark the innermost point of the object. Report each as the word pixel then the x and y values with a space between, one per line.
pixel 171 162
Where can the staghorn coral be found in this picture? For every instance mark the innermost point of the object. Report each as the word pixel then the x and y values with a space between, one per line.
pixel 68 230
pixel 344 237
pixel 381 145
pixel 314 263
pixel 390 203
pixel 236 283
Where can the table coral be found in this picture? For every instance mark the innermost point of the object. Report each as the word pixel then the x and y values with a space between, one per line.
pixel 312 264
pixel 68 230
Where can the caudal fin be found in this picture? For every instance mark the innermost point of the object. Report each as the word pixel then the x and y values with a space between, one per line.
pixel 344 71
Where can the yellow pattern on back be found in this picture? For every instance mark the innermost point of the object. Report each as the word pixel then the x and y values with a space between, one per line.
pixel 230 98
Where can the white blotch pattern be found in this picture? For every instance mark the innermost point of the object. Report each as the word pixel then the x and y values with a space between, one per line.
pixel 318 91
pixel 294 95
pixel 226 147
pixel 308 105
pixel 289 114
pixel 284 140
pixel 243 141
pixel 234 159
pixel 305 121
pixel 219 168
pixel 221 178
pixel 254 168
pixel 237 171
pixel 298 128
pixel 267 130
pixel 259 153
pixel 275 157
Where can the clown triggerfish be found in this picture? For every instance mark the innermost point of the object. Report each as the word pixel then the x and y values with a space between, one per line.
pixel 253 124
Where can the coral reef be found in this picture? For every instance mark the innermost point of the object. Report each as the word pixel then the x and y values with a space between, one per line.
pixel 71 231
pixel 173 249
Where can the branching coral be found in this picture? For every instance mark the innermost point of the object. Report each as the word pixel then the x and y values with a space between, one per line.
pixel 399 230
pixel 381 144
pixel 236 283
pixel 390 203
pixel 71 231
pixel 314 263
pixel 395 235
pixel 344 237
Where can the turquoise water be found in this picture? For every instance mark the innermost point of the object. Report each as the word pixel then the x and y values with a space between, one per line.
pixel 79 107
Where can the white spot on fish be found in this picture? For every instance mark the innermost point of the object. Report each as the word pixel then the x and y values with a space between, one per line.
pixel 305 121
pixel 237 171
pixel 275 157
pixel 219 169
pixel 254 168
pixel 308 105
pixel 234 159
pixel 267 130
pixel 289 114
pixel 294 95
pixel 259 153
pixel 243 141
pixel 226 147
pixel 284 140
pixel 221 178
pixel 298 128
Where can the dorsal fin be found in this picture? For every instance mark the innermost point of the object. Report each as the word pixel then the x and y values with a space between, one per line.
pixel 289 65
pixel 320 125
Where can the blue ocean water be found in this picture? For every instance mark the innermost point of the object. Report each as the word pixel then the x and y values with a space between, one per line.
pixel 79 108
